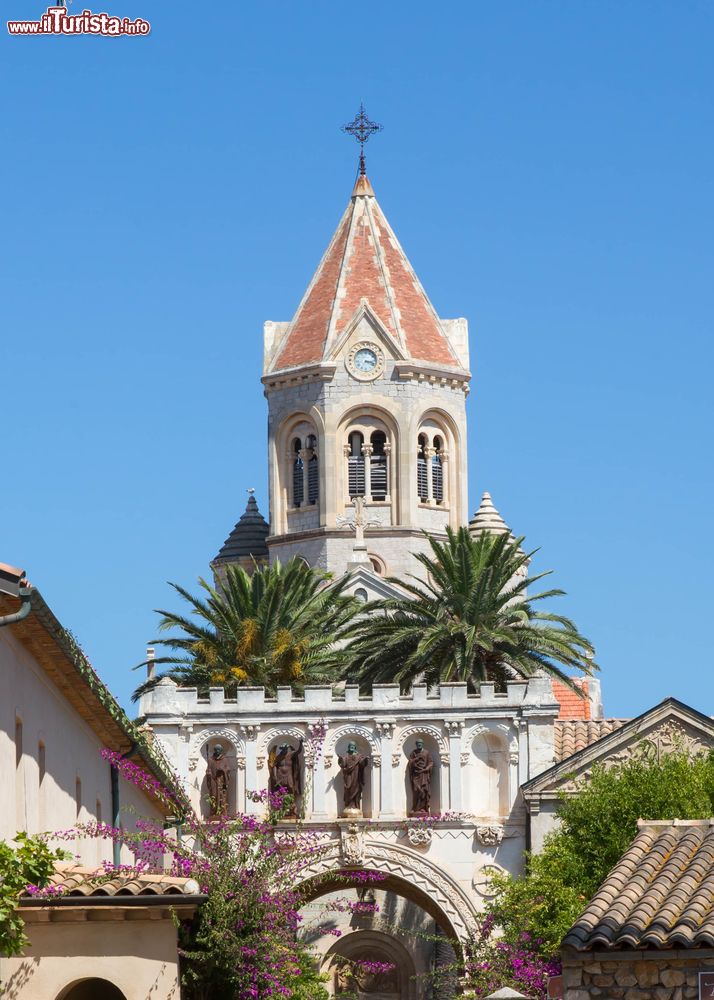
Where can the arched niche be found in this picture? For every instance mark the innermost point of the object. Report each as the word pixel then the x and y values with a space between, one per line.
pixel 365 745
pixel 486 780
pixel 91 989
pixel 434 744
pixel 203 748
pixel 270 743
pixel 370 946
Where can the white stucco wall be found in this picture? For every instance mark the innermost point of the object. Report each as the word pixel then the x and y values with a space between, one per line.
pixel 137 955
pixel 72 753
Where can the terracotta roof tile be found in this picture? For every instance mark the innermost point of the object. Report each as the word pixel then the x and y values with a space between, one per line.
pixel 660 894
pixel 76 880
pixel 572 735
pixel 364 262
pixel 572 706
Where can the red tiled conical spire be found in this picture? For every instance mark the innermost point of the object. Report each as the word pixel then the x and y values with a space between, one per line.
pixel 364 263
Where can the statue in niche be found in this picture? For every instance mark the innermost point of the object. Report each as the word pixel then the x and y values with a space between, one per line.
pixel 353 766
pixel 285 764
pixel 217 779
pixel 419 768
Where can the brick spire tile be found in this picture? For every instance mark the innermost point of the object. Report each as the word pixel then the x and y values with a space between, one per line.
pixel 364 264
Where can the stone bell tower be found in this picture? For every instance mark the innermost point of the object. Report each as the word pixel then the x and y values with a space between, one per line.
pixel 366 390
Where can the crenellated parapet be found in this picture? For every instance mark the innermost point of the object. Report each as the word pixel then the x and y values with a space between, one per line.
pixel 167 699
pixel 484 744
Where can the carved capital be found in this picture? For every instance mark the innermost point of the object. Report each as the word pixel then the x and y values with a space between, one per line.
pixel 454 726
pixel 352 844
pixel 419 834
pixel 490 836
pixel 396 758
pixel 465 758
pixel 385 729
pixel 251 730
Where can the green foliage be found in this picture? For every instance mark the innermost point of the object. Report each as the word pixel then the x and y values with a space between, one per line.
pixel 471 621
pixel 597 826
pixel 282 625
pixel 31 863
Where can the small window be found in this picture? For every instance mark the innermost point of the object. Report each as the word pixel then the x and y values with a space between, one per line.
pixel 378 465
pixel 98 810
pixel 361 594
pixel 355 465
pixel 18 742
pixel 298 477
pixel 437 471
pixel 422 487
pixel 41 761
pixel 78 796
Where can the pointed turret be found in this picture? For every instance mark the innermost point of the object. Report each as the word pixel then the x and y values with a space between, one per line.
pixel 487 519
pixel 365 267
pixel 246 544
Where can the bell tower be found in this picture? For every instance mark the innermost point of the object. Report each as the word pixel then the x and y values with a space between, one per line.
pixel 366 390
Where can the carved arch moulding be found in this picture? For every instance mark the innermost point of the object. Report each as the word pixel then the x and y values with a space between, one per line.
pixel 352 730
pixel 422 730
pixel 205 736
pixel 273 734
pixel 413 869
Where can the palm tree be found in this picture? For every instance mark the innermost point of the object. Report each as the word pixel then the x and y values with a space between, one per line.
pixel 472 621
pixel 282 625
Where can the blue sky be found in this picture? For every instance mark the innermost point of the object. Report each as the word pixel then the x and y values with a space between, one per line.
pixel 547 167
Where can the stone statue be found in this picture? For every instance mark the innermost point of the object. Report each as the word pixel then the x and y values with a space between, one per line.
pixel 285 765
pixel 217 778
pixel 353 766
pixel 419 768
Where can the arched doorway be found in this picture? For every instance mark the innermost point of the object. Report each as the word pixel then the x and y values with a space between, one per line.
pixel 91 989
pixel 370 964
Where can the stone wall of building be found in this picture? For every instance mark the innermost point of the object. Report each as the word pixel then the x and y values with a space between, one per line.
pixel 637 975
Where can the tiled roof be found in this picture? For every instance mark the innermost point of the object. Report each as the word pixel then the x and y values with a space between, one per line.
pixel 248 538
pixel 572 706
pixel 364 264
pixel 572 735
pixel 75 880
pixel 660 894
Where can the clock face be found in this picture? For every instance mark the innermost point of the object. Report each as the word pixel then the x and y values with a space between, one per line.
pixel 365 360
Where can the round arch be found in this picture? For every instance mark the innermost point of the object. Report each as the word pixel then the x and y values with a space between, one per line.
pixel 375 943
pixel 91 989
pixel 447 423
pixel 310 421
pixel 413 877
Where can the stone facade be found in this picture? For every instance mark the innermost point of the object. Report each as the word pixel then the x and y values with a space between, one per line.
pixel 483 746
pixel 394 432
pixel 641 975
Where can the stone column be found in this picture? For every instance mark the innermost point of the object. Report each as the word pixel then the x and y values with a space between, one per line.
pixel 304 453
pixel 367 456
pixel 454 728
pixel 429 453
pixel 388 461
pixel 317 763
pixel 251 766
pixel 385 728
pixel 346 452
pixel 444 456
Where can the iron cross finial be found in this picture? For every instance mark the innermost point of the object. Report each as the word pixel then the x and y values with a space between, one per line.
pixel 361 127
